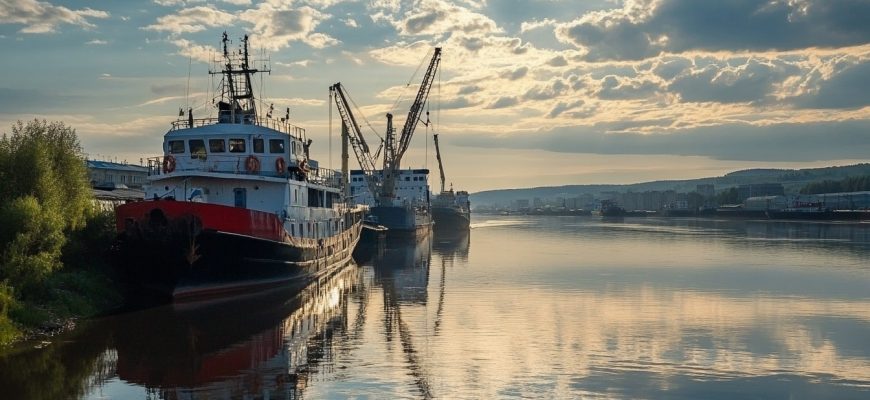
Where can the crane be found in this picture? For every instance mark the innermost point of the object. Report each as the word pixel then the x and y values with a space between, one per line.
pixel 440 165
pixel 350 130
pixel 393 152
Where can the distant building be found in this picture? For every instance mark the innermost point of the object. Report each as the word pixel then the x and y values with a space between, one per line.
pixel 759 189
pixel 521 205
pixel 111 174
pixel 707 190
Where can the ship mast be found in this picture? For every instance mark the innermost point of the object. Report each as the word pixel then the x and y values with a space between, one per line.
pixel 237 104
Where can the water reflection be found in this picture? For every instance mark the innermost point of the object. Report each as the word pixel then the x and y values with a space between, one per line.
pixel 562 307
pixel 402 273
pixel 262 346
pixel 265 345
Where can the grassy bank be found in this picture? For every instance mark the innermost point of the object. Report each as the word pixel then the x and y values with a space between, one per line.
pixel 82 286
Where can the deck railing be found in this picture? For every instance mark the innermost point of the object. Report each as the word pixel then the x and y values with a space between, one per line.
pixel 271 123
pixel 237 165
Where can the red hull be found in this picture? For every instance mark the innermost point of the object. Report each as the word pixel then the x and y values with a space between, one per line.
pixel 216 217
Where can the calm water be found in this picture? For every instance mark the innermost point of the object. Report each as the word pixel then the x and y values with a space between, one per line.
pixel 558 307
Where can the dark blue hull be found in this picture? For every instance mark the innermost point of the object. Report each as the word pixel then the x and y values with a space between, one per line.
pixel 402 221
pixel 450 218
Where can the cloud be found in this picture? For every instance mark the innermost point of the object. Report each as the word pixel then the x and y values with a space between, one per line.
pixel 646 28
pixel 350 22
pixel 97 42
pixel 622 88
pixel 753 81
pixel 516 73
pixel 562 106
pixel 845 89
pixel 276 27
pixel 504 102
pixel 43 17
pixel 194 51
pixel 438 18
pixel 527 26
pixel 803 142
pixel 191 20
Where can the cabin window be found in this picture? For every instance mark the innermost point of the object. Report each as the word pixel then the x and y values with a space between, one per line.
pixel 258 146
pixel 176 146
pixel 237 145
pixel 407 178
pixel 276 146
pixel 217 146
pixel 197 148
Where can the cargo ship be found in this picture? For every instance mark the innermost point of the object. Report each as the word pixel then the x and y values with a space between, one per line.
pixel 235 203
pixel 397 198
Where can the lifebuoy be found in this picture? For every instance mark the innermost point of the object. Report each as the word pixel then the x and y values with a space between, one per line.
pixel 280 165
pixel 252 164
pixel 168 164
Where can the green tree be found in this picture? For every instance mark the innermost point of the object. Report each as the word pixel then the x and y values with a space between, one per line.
pixel 45 196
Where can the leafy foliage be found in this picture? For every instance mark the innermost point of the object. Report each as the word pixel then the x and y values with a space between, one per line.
pixel 46 217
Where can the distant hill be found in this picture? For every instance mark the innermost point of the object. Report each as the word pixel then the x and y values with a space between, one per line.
pixel 792 179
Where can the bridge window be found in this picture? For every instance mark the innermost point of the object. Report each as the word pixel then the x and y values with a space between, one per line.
pixel 197 148
pixel 258 146
pixel 237 145
pixel 276 146
pixel 216 146
pixel 176 146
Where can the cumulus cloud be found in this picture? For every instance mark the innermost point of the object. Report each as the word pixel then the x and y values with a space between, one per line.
pixel 647 28
pixel 191 20
pixel 437 17
pixel 278 25
pixel 44 17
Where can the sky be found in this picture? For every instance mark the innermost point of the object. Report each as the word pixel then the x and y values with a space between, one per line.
pixel 529 92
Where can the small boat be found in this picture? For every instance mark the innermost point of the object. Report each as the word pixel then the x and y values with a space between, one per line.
pixel 235 203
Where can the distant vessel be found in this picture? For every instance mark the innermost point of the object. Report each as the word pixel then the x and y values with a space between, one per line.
pixel 397 199
pixel 235 203
pixel 611 209
pixel 450 210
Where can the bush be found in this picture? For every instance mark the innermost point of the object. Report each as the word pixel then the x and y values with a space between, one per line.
pixel 8 331
pixel 34 239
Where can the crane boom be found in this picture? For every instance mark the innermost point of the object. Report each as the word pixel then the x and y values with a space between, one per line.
pixel 440 165
pixel 393 152
pixel 355 137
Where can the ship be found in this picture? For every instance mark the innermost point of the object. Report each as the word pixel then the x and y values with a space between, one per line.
pixel 397 198
pixel 235 203
pixel 451 210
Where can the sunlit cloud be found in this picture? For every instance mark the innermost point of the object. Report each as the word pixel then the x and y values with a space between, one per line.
pixel 44 17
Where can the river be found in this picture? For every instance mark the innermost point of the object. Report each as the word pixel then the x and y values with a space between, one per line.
pixel 542 307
